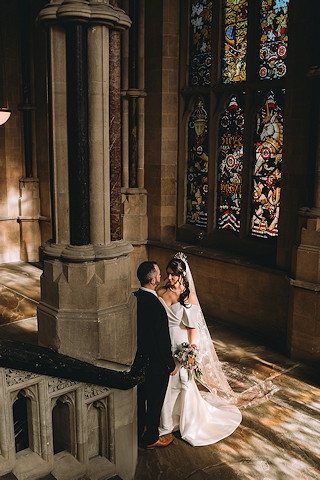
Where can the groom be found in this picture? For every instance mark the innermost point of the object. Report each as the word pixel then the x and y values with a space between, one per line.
pixel 155 346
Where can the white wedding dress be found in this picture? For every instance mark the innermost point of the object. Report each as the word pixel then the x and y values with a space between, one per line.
pixel 202 418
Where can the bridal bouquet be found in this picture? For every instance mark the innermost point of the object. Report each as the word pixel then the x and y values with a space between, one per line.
pixel 188 357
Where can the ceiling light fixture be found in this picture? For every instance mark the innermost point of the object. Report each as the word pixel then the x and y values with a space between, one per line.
pixel 4 115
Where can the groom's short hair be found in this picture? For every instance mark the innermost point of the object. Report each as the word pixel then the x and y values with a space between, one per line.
pixel 146 272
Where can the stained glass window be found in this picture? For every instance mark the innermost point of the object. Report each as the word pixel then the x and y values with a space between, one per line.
pixel 274 38
pixel 200 44
pixel 230 166
pixel 197 171
pixel 267 169
pixel 234 134
pixel 235 41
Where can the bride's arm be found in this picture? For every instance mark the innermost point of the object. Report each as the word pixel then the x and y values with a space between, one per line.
pixel 192 336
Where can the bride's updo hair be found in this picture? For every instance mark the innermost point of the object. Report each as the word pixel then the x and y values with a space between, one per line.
pixel 179 268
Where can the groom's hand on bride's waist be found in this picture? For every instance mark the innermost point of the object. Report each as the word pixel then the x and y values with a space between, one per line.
pixel 174 371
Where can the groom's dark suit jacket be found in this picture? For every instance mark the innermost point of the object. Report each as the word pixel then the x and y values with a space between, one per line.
pixel 154 344
pixel 153 332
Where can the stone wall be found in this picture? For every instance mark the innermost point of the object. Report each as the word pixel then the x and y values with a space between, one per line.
pixel 162 82
pixel 25 207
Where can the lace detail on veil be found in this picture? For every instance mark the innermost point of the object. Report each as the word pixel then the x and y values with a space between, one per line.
pixel 214 378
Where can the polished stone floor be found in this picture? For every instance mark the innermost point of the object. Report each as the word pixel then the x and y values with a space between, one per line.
pixel 19 297
pixel 279 437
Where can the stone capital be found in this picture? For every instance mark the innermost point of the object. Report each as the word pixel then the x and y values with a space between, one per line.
pixel 87 253
pixel 134 93
pixel 309 212
pixel 97 12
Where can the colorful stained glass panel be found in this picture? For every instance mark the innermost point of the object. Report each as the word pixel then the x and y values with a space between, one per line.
pixel 274 38
pixel 230 167
pixel 235 41
pixel 267 168
pixel 197 170
pixel 200 42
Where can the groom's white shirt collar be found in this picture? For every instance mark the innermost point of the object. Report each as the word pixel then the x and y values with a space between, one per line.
pixel 149 290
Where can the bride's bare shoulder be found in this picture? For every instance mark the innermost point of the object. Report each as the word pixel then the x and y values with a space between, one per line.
pixel 161 291
pixel 193 299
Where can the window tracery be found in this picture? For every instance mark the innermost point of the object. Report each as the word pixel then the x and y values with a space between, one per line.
pixel 235 128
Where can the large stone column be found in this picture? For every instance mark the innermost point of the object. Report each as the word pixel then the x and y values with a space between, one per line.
pixel 86 280
pixel 87 310
pixel 304 314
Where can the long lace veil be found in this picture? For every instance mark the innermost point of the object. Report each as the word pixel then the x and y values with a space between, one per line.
pixel 213 377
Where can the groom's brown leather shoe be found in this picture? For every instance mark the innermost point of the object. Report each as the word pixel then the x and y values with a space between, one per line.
pixel 163 441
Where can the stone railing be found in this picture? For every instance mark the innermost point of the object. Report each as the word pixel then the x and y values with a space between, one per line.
pixel 53 420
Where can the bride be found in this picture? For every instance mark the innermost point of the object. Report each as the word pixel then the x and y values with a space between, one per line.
pixel 204 418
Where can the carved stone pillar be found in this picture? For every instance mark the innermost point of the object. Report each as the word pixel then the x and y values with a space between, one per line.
pixel 304 319
pixel 86 279
pixel 134 195
pixel 87 310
